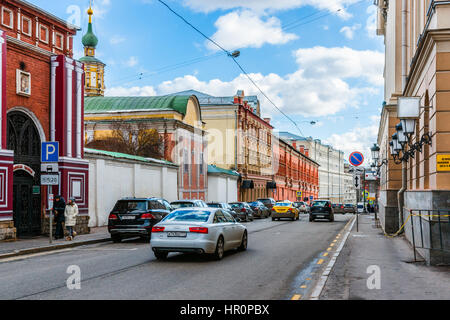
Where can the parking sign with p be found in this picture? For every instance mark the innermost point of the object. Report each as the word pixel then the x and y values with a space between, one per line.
pixel 50 152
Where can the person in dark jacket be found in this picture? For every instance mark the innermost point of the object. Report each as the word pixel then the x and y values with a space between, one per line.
pixel 59 207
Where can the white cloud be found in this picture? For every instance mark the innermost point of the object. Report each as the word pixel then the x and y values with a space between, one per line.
pixel 131 92
pixel 350 31
pixel 317 88
pixel 247 29
pixel 131 62
pixel 358 139
pixel 116 39
pixel 266 5
pixel 371 25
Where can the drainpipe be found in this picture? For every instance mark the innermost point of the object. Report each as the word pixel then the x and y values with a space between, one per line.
pixel 404 43
pixel 401 192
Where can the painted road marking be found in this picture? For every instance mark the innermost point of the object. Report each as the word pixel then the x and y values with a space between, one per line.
pixel 329 249
pixel 320 261
pixel 308 279
pixel 323 279
pixel 296 297
pixel 325 254
pixel 304 287
pixel 33 255
pixel 332 245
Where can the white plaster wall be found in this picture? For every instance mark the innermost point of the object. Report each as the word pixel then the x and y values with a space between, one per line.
pixel 222 189
pixel 112 180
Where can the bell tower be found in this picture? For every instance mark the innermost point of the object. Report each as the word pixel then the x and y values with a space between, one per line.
pixel 94 68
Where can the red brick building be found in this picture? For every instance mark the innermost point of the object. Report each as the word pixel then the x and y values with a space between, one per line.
pixel 296 173
pixel 41 100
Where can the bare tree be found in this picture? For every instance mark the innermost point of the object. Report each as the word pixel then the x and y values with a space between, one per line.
pixel 131 138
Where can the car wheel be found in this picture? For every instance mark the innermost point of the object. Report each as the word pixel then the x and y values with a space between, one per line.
pixel 218 255
pixel 273 219
pixel 244 242
pixel 332 219
pixel 311 219
pixel 116 239
pixel 161 255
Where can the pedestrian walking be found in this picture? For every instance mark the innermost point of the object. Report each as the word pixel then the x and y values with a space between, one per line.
pixel 71 214
pixel 59 207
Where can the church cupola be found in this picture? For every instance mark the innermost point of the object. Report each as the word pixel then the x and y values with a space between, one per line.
pixel 94 68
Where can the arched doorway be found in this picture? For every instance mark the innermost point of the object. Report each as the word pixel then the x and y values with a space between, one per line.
pixel 24 139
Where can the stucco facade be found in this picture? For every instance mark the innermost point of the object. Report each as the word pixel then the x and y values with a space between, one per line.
pixel 417 39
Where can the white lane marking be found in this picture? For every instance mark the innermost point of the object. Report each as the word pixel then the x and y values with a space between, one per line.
pixel 323 279
pixel 33 255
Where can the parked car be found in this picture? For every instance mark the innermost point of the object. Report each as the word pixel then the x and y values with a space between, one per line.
pixel 259 209
pixel 242 211
pixel 321 209
pixel 198 230
pixel 360 207
pixel 136 217
pixel 338 208
pixel 268 202
pixel 221 205
pixel 349 208
pixel 285 210
pixel 188 204
pixel 302 206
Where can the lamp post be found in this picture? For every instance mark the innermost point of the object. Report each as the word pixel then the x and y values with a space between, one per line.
pixel 401 148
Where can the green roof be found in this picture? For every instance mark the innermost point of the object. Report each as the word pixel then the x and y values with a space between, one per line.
pixel 90 39
pixel 109 104
pixel 90 59
pixel 214 169
pixel 119 155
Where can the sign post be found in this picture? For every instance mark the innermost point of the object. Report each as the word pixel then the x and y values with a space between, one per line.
pixel 50 176
pixel 356 159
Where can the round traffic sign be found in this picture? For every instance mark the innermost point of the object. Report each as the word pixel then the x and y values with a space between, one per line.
pixel 356 159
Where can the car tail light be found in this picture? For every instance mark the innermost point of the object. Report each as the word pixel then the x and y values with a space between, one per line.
pixel 158 229
pixel 198 230
pixel 113 217
pixel 243 210
pixel 147 216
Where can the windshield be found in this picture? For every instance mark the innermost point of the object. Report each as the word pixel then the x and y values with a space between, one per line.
pixel 236 205
pixel 255 204
pixel 348 205
pixel 360 206
pixel 178 205
pixel 130 206
pixel 283 204
pixel 214 205
pixel 265 201
pixel 188 215
pixel 320 204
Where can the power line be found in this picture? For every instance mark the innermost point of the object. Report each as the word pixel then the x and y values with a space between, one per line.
pixel 234 59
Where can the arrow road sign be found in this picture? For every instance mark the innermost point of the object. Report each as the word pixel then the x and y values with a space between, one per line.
pixel 356 181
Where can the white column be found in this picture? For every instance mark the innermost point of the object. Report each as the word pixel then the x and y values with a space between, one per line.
pixel 79 130
pixel 69 108
pixel 53 99
pixel 99 194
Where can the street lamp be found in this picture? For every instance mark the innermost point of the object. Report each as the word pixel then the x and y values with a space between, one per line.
pixel 375 153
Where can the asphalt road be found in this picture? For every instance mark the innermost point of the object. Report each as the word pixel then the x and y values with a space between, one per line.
pixel 283 259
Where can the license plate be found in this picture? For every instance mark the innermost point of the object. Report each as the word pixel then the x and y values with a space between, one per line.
pixel 128 217
pixel 177 234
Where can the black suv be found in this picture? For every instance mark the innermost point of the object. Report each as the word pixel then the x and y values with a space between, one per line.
pixel 136 216
pixel 321 209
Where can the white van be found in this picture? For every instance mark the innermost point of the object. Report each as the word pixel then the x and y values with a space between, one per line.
pixel 360 207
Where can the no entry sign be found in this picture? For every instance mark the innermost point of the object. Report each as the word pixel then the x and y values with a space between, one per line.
pixel 356 159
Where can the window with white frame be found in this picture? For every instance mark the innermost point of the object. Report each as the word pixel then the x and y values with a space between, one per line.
pixel 27 26
pixel 7 18
pixel 43 34
pixel 59 41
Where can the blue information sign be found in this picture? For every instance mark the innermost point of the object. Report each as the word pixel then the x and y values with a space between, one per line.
pixel 50 152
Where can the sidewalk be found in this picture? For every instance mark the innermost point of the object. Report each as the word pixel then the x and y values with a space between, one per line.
pixel 401 278
pixel 41 244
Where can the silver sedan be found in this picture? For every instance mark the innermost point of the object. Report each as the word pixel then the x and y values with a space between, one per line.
pixel 198 230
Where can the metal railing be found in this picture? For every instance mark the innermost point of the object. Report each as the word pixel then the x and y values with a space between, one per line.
pixel 429 230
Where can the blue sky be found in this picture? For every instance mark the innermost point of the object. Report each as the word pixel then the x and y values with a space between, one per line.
pixel 316 59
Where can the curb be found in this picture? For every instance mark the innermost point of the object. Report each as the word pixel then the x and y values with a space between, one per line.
pixel 24 252
pixel 323 279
